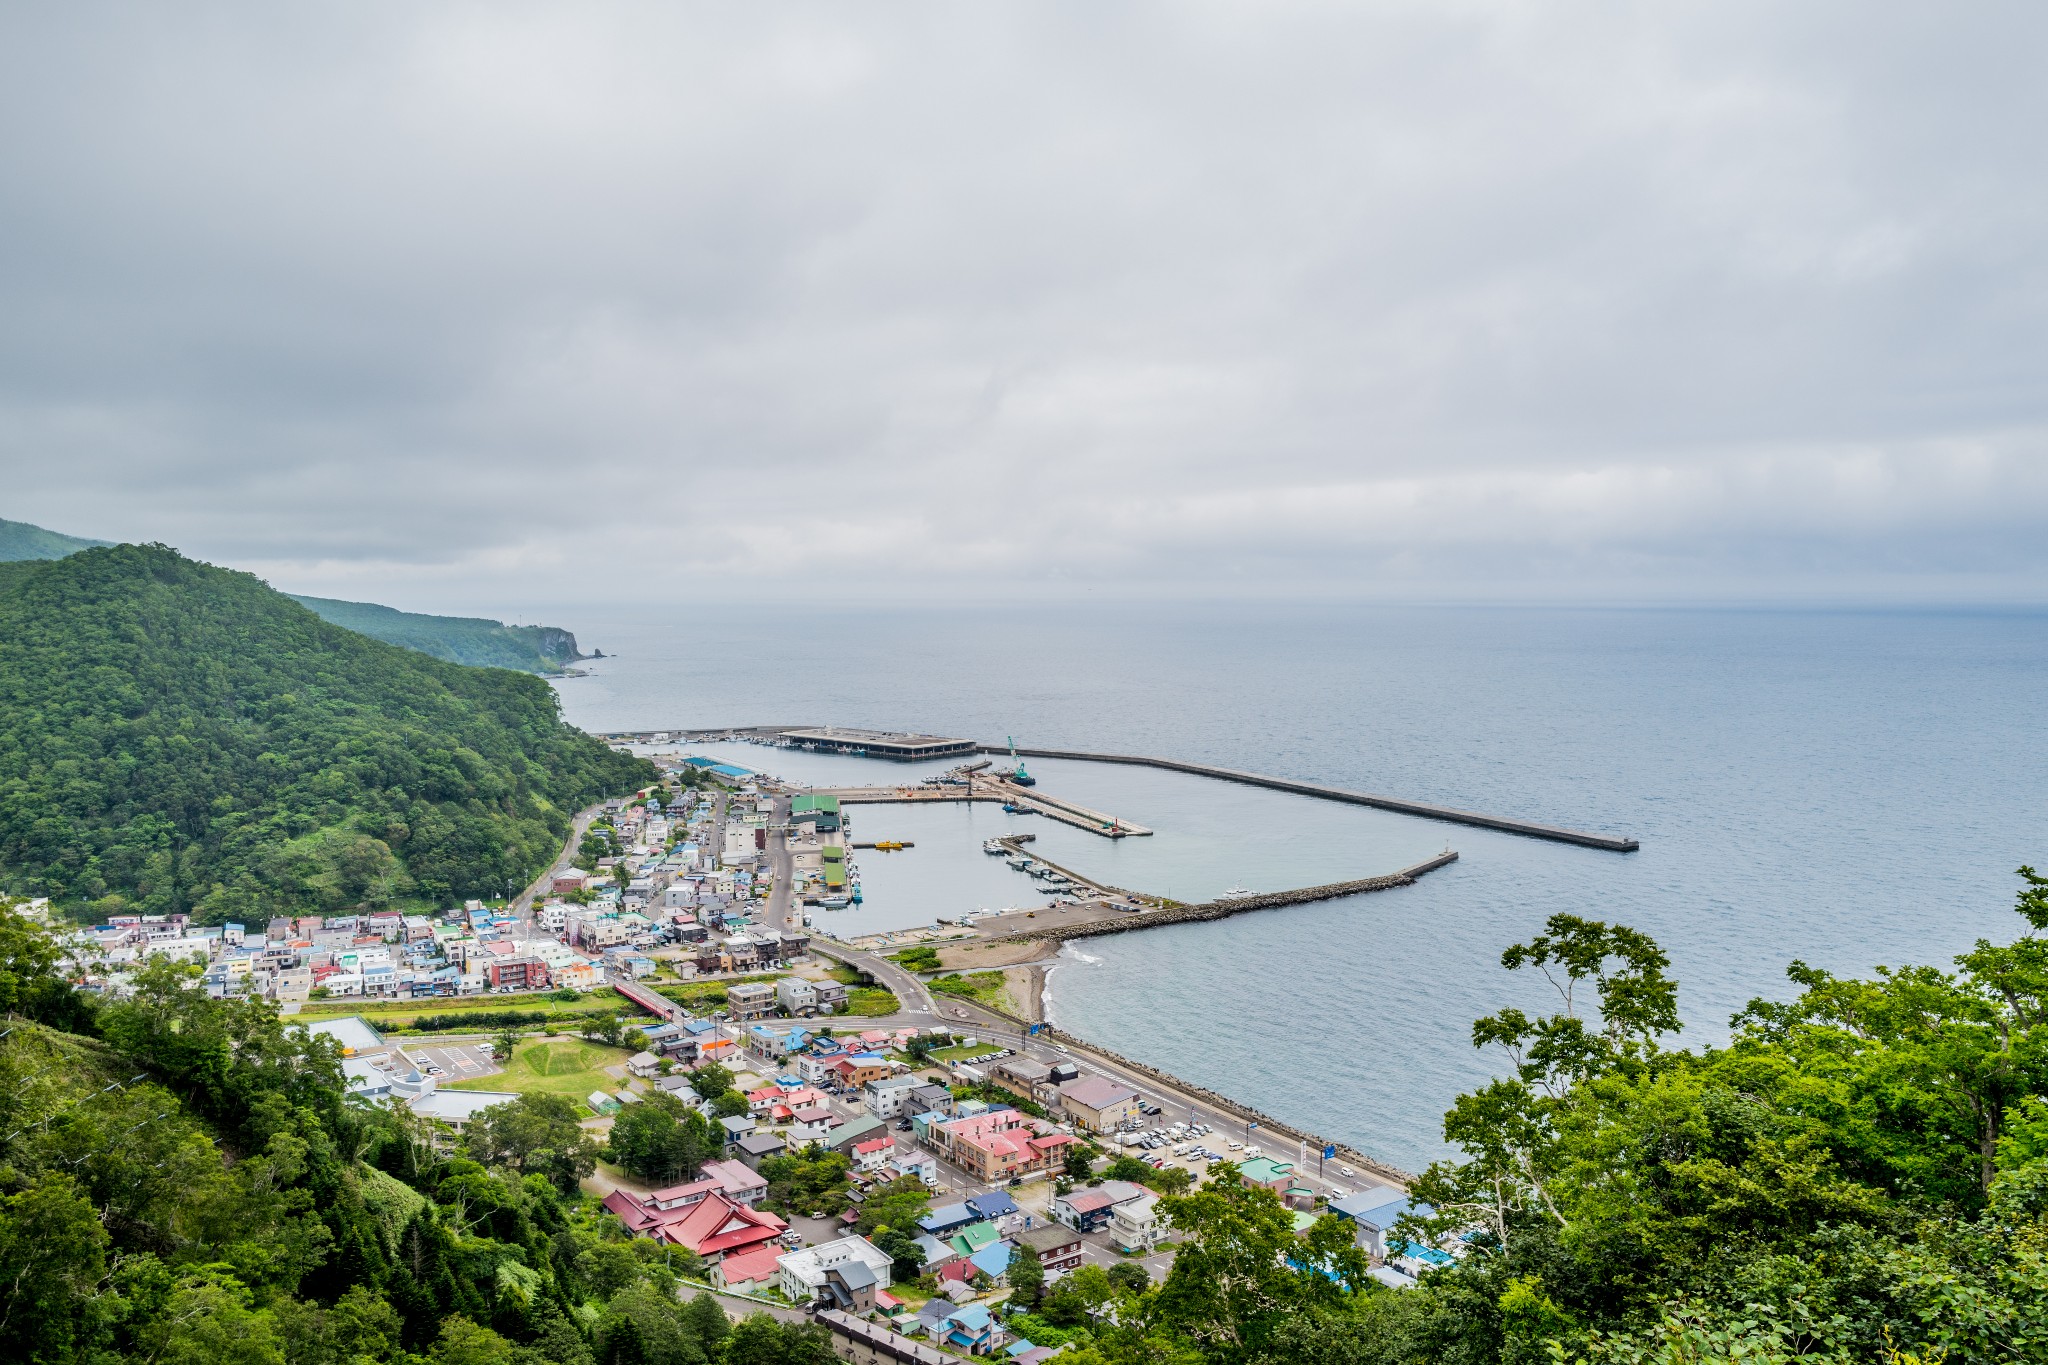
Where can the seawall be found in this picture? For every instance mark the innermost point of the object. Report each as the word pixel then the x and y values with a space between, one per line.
pixel 1611 843
pixel 1243 905
pixel 1221 1103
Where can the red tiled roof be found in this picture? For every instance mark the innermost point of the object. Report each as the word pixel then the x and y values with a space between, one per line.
pixel 695 1187
pixel 755 1265
pixel 718 1226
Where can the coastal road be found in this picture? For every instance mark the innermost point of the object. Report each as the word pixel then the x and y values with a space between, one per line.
pixel 1175 1105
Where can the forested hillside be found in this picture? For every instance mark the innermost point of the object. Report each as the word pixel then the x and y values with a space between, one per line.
pixel 19 540
pixel 175 736
pixel 474 640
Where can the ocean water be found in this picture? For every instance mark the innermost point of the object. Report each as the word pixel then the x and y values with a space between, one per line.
pixel 1847 788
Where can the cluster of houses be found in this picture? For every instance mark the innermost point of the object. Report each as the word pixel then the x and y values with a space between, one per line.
pixel 592 928
pixel 384 954
pixel 967 1246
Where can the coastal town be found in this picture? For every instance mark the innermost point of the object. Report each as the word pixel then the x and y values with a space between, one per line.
pixel 675 941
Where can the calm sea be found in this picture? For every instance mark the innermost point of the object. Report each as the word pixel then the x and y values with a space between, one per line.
pixel 1848 788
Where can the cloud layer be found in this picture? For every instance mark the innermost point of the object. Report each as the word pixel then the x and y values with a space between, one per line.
pixel 466 305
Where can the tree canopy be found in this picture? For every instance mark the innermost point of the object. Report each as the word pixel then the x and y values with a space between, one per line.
pixel 178 737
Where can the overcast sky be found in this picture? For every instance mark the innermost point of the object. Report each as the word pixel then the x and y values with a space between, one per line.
pixel 463 306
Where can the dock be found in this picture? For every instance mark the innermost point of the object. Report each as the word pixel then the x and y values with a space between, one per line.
pixel 895 745
pixel 1450 814
pixel 1014 843
pixel 1051 807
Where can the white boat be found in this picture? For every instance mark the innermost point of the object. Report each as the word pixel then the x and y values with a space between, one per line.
pixel 992 846
pixel 1236 893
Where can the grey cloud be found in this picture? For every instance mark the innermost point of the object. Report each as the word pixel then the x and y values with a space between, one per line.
pixel 457 305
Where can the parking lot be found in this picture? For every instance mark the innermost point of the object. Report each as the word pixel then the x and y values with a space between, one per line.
pixel 456 1061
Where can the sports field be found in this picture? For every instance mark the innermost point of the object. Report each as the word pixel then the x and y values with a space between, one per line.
pixel 555 1066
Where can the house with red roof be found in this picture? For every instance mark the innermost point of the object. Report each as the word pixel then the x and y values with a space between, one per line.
pixel 1002 1143
pixel 748 1272
pixel 873 1154
pixel 713 1226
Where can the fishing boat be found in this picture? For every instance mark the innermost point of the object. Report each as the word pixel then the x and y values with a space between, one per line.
pixel 1236 893
pixel 994 846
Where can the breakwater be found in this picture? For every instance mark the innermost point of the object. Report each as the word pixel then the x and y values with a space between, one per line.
pixel 1239 905
pixel 1451 814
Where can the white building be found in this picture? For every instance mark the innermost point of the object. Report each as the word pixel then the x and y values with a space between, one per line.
pixel 1134 1225
pixel 803 1271
pixel 887 1097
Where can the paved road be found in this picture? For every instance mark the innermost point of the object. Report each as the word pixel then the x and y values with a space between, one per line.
pixel 781 865
pixel 544 883
pixel 918 1008
pixel 1175 1107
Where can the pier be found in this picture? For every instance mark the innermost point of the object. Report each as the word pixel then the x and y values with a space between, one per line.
pixel 1611 843
pixel 1066 812
pixel 1082 818
pixel 1014 843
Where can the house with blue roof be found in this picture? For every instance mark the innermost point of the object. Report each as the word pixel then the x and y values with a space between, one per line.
pixel 1374 1211
pixel 948 1219
pixel 997 1207
pixel 968 1328
pixel 993 1261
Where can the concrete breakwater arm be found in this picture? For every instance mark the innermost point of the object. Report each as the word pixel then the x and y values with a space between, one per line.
pixel 1241 905
pixel 1451 814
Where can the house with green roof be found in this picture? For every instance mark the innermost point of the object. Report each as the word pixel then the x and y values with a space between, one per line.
pixel 1267 1173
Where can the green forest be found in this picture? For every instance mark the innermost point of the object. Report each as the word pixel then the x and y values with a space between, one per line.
pixel 179 737
pixel 474 640
pixel 20 540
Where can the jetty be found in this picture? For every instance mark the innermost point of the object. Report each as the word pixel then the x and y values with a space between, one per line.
pixel 907 746
pixel 985 789
pixel 1556 833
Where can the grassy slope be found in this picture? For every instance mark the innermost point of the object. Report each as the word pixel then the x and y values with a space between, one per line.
pixel 474 640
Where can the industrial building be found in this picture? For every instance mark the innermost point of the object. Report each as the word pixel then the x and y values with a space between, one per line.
pixel 907 748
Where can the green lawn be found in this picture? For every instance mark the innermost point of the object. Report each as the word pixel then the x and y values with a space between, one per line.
pixel 557 1066
pixel 872 1002
pixel 986 987
pixel 964 1054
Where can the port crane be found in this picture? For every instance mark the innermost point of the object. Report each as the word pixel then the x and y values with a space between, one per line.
pixel 1017 773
